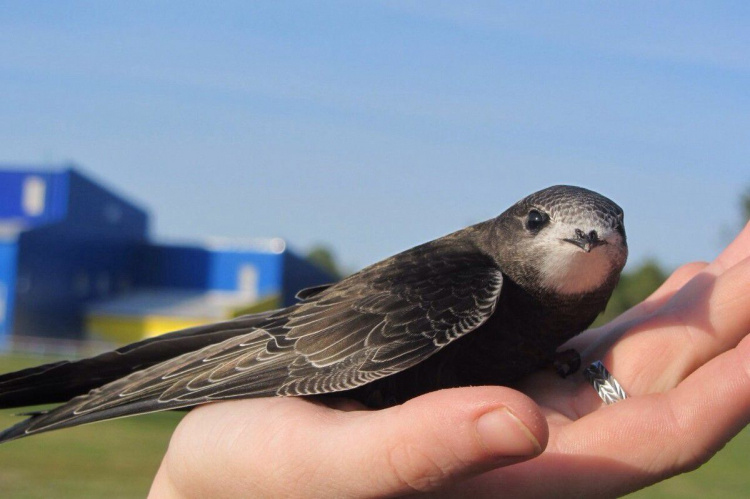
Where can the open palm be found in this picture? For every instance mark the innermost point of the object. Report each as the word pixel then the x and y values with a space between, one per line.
pixel 683 355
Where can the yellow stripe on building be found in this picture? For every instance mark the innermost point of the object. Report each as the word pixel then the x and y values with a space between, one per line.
pixel 127 329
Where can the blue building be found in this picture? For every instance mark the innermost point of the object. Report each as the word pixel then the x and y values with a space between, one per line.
pixel 75 259
pixel 180 286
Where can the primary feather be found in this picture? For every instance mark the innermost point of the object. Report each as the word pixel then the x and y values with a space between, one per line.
pixel 373 324
pixel 487 304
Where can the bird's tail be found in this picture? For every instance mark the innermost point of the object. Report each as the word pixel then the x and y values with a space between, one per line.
pixel 61 381
pixel 35 422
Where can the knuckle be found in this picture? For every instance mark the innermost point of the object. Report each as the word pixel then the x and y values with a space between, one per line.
pixel 418 469
pixel 413 469
pixel 684 454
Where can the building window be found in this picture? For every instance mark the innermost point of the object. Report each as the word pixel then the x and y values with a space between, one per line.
pixel 247 281
pixel 34 192
pixel 3 301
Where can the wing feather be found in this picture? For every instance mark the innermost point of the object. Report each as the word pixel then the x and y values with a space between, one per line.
pixel 375 323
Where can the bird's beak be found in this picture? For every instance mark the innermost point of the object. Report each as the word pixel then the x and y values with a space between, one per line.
pixel 586 241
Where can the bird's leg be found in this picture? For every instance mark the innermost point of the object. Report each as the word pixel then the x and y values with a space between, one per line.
pixel 567 362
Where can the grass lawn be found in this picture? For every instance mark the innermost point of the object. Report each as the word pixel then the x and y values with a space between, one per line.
pixel 118 459
pixel 113 459
pixel 727 475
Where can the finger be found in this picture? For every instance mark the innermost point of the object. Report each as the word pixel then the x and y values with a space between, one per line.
pixel 711 406
pixel 437 439
pixel 661 435
pixel 738 250
pixel 675 282
pixel 707 317
pixel 735 252
pixel 604 337
pixel 636 442
pixel 278 447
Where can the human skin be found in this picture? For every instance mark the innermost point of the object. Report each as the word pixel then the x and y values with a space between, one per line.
pixel 683 356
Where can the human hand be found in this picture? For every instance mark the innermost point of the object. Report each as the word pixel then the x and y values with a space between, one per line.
pixel 682 355
pixel 294 447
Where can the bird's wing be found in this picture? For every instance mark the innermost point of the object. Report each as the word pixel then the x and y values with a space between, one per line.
pixel 375 323
pixel 63 380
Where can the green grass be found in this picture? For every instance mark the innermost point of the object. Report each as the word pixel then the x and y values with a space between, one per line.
pixel 118 459
pixel 727 475
pixel 114 459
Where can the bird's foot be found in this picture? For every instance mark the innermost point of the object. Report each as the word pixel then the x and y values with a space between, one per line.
pixel 567 362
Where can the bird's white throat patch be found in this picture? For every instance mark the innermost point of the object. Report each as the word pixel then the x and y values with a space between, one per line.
pixel 567 269
pixel 571 270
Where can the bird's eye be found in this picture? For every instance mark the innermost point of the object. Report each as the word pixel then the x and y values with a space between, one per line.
pixel 536 220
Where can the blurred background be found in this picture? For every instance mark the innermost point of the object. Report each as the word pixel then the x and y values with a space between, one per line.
pixel 178 162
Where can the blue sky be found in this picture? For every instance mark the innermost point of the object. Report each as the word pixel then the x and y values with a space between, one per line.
pixel 374 126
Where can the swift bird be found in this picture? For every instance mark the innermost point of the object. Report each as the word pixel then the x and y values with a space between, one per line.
pixel 487 304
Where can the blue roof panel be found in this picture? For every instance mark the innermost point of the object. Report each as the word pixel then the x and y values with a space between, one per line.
pixel 33 197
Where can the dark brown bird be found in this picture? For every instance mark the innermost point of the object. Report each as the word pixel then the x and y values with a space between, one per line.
pixel 485 305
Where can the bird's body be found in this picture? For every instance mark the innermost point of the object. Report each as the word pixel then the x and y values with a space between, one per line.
pixel 510 348
pixel 485 305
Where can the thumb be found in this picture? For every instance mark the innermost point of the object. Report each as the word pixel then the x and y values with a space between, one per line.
pixel 279 447
pixel 433 440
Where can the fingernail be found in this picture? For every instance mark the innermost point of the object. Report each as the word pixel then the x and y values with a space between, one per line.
pixel 504 434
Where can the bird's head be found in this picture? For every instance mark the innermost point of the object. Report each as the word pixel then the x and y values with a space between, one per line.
pixel 563 239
